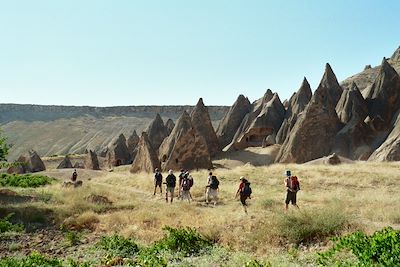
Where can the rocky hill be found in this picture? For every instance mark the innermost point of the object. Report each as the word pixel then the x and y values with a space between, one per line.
pixel 60 130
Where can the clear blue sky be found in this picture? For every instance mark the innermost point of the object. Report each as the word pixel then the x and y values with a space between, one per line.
pixel 108 53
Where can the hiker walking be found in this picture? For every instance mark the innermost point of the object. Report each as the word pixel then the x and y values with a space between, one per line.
pixel 74 176
pixel 181 175
pixel 157 181
pixel 292 186
pixel 212 188
pixel 244 191
pixel 187 183
pixel 170 181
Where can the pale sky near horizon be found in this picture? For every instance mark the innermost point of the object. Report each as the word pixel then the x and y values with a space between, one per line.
pixel 113 53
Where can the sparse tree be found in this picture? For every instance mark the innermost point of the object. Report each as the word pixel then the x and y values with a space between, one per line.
pixel 4 147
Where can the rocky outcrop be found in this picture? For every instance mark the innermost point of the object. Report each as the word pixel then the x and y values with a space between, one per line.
pixel 157 132
pixel 91 161
pixel 395 58
pixel 265 119
pixel 232 120
pixel 296 105
pixel 65 163
pixel 146 159
pixel 170 125
pixel 351 105
pixel 131 144
pixel 390 149
pixel 184 148
pixel 313 135
pixel 353 139
pixel 201 122
pixel 28 163
pixel 132 141
pixel 118 153
pixel 383 96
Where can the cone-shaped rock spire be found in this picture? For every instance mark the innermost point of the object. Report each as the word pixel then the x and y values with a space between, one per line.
pixel 146 159
pixel 184 148
pixel 118 154
pixel 91 161
pixel 232 120
pixel 201 122
pixel 313 135
pixel 383 96
pixel 297 104
pixel 170 125
pixel 157 132
pixel 65 163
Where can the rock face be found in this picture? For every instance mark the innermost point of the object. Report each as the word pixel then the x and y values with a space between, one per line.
pixel 30 162
pixel 265 119
pixel 91 161
pixel 232 120
pixel 352 140
pixel 146 159
pixel 170 125
pixel 201 122
pixel 313 135
pixel 383 96
pixel 390 149
pixel 296 105
pixel 351 105
pixel 118 154
pixel 184 148
pixel 131 144
pixel 79 165
pixel 157 132
pixel 65 163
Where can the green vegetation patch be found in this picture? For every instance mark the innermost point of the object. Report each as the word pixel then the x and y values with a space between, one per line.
pixel 7 226
pixel 379 249
pixel 117 245
pixel 307 226
pixel 24 180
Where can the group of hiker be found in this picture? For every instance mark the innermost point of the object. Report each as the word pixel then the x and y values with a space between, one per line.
pixel 185 183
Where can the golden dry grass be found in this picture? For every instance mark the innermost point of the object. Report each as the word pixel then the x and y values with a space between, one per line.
pixel 366 193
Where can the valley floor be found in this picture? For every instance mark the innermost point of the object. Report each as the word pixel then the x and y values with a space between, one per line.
pixel 347 197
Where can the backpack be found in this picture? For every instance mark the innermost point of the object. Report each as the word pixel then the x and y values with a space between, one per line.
pixel 214 182
pixel 295 183
pixel 170 180
pixel 246 191
pixel 158 177
pixel 186 184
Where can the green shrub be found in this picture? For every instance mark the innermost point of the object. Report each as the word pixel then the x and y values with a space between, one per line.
pixel 72 238
pixel 7 226
pixel 34 259
pixel 117 245
pixel 24 180
pixel 312 225
pixel 184 240
pixel 381 248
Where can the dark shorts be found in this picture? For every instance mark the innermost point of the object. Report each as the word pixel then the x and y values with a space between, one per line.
pixel 243 199
pixel 291 197
pixel 158 183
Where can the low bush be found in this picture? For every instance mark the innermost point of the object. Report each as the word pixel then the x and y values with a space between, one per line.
pixel 183 240
pixel 117 245
pixel 34 259
pixel 381 248
pixel 24 180
pixel 7 226
pixel 307 226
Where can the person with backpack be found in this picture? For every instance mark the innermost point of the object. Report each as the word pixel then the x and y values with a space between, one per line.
pixel 212 188
pixel 244 191
pixel 292 186
pixel 181 175
pixel 170 181
pixel 157 180
pixel 187 184
pixel 74 176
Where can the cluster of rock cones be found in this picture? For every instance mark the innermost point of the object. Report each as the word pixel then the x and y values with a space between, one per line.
pixel 354 124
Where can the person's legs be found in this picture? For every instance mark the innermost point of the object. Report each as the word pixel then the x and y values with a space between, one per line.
pixel 243 201
pixel 155 187
pixel 294 200
pixel 287 200
pixel 172 194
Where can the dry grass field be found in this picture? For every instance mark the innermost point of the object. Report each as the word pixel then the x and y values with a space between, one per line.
pixel 333 200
